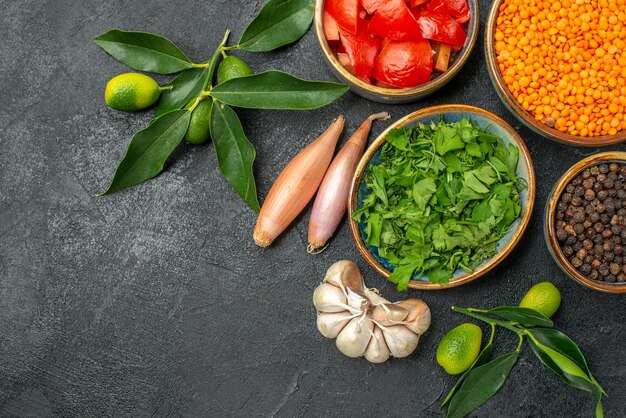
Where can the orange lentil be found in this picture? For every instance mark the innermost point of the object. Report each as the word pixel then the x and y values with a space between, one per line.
pixel 566 61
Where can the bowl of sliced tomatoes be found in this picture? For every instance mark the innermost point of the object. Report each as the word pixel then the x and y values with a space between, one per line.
pixel 396 51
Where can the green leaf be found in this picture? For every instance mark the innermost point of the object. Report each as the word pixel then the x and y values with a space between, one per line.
pixel 144 51
pixel 184 88
pixel 279 23
pixel 570 372
pixel 277 90
pixel 562 344
pixel 235 154
pixel 447 139
pixel 148 150
pixel 402 274
pixel 480 360
pixel 524 316
pixel 481 384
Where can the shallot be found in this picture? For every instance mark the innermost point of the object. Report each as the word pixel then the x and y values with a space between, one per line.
pixel 363 322
pixel 296 185
pixel 332 197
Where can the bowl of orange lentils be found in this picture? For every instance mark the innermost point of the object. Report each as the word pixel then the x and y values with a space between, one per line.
pixel 560 66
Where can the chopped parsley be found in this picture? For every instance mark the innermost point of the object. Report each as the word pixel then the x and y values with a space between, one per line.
pixel 441 198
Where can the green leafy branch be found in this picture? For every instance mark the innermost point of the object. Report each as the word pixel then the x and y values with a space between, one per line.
pixel 553 348
pixel 280 22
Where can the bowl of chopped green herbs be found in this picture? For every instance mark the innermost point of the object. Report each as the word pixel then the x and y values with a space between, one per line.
pixel 441 197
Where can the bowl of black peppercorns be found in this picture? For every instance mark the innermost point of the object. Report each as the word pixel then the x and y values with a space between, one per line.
pixel 585 222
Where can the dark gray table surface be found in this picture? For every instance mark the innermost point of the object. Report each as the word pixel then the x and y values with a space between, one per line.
pixel 155 301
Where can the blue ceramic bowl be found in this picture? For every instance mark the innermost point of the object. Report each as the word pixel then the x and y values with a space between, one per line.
pixel 450 113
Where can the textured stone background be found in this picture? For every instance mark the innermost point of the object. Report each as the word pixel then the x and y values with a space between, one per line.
pixel 155 301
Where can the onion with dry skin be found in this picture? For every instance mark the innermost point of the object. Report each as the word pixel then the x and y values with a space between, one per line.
pixel 296 185
pixel 363 322
pixel 331 201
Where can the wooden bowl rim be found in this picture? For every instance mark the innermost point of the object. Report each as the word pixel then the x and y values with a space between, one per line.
pixel 549 221
pixel 520 112
pixel 504 251
pixel 416 92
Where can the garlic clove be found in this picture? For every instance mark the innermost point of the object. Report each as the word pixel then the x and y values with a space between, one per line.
pixel 389 314
pixel 328 298
pixel 400 340
pixel 351 277
pixel 331 324
pixel 419 316
pixel 333 274
pixel 355 336
pixel 377 350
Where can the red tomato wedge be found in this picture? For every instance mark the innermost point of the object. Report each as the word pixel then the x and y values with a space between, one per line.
pixel 371 6
pixel 395 21
pixel 362 49
pixel 442 28
pixel 404 64
pixel 345 12
pixel 453 8
pixel 331 28
pixel 415 3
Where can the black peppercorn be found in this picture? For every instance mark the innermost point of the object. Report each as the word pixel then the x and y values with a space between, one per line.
pixel 603 269
pixel 566 197
pixel 591 222
pixel 614 268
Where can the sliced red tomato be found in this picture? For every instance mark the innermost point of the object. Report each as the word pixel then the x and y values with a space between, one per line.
pixel 404 64
pixel 465 18
pixel 345 12
pixel 440 27
pixel 415 3
pixel 394 20
pixel 453 8
pixel 331 28
pixel 362 49
pixel 372 5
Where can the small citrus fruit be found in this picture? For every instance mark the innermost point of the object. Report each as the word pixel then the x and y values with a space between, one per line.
pixel 131 92
pixel 232 67
pixel 200 123
pixel 459 348
pixel 543 297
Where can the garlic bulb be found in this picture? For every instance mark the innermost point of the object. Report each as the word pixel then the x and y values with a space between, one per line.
pixel 363 322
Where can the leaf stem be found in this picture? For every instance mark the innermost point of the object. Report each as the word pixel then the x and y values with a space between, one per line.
pixel 202 65
pixel 212 63
pixel 521 340
pixel 486 319
pixel 230 48
pixel 166 87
